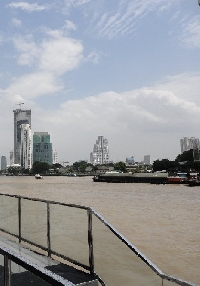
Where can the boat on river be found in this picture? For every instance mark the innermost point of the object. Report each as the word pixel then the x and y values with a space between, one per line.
pixel 38 176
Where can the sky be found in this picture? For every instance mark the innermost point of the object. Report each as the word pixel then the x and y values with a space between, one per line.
pixel 127 70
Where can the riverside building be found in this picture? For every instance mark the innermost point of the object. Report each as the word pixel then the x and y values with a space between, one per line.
pixel 42 147
pixel 25 150
pixel 20 117
pixel 100 153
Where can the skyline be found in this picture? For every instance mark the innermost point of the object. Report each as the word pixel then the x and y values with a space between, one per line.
pixel 126 70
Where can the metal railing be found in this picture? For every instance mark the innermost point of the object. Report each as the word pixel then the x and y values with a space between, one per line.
pixel 81 236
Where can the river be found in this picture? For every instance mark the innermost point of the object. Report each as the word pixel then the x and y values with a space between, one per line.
pixel 162 221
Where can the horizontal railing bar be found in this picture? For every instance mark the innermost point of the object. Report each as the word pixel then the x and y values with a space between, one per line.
pixel 39 271
pixel 46 201
pixel 70 260
pixel 139 254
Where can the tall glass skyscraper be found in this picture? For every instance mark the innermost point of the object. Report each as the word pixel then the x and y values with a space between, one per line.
pixel 20 117
pixel 42 148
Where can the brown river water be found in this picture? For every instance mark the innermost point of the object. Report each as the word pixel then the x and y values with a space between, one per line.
pixel 162 221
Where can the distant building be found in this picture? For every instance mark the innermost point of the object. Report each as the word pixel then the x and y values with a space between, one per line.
pixel 100 153
pixel 54 156
pixel 42 148
pixel 147 160
pixel 3 163
pixel 130 161
pixel 11 157
pixel 20 117
pixel 25 150
pixel 189 143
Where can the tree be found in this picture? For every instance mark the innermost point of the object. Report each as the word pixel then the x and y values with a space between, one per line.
pixel 120 166
pixel 80 166
pixel 165 164
pixel 57 165
pixel 186 156
pixel 40 167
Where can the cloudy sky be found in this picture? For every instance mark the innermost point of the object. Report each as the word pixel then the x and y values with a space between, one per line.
pixel 125 69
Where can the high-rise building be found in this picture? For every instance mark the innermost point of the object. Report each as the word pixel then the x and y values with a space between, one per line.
pixel 20 117
pixel 3 163
pixel 11 157
pixel 189 143
pixel 42 148
pixel 147 160
pixel 54 156
pixel 100 153
pixel 130 161
pixel 25 151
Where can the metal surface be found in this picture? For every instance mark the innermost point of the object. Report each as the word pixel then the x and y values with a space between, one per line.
pixel 43 273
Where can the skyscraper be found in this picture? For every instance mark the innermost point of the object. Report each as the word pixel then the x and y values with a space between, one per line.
pixel 54 156
pixel 3 163
pixel 100 153
pixel 189 143
pixel 20 117
pixel 42 148
pixel 147 160
pixel 25 150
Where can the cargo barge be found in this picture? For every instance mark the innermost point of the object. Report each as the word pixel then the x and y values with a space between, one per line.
pixel 153 178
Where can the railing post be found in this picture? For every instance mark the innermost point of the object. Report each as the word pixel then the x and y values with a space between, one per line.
pixel 7 271
pixel 19 219
pixel 48 230
pixel 90 242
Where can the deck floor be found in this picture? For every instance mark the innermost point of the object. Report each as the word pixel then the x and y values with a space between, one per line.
pixel 21 277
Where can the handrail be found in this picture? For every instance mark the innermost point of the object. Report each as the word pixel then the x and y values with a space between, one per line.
pixel 90 212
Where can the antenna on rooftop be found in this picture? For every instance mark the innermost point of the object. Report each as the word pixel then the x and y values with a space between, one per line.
pixel 20 103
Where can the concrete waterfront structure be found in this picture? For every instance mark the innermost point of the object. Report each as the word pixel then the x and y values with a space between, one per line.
pixel 42 147
pixel 25 150
pixel 3 163
pixel 100 153
pixel 20 117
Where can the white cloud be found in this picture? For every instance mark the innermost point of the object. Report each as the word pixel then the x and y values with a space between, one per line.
pixel 34 85
pixel 191 33
pixel 124 18
pixel 54 56
pixel 16 22
pixel 69 25
pixel 28 49
pixel 60 54
pixel 140 115
pixel 27 6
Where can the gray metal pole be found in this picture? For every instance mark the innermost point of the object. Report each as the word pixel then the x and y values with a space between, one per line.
pixel 90 242
pixel 7 271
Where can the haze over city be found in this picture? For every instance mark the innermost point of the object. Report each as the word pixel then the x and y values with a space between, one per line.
pixel 126 70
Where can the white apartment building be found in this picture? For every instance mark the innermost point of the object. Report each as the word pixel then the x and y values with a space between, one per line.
pixel 189 143
pixel 25 150
pixel 54 156
pixel 100 153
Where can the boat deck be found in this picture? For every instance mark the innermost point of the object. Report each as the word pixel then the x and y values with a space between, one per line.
pixel 21 277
